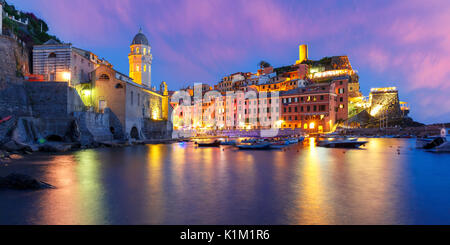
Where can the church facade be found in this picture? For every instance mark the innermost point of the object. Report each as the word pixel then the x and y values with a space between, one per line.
pixel 137 110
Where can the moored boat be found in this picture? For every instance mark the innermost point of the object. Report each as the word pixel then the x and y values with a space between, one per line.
pixel 342 143
pixel 434 141
pixel 444 147
pixel 215 143
pixel 279 144
pixel 254 146
pixel 293 141
pixel 228 142
pixel 429 143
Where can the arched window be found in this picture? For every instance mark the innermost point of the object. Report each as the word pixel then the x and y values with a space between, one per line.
pixel 119 85
pixel 52 55
pixel 104 77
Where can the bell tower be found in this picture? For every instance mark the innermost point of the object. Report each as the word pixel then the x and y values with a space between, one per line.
pixel 140 60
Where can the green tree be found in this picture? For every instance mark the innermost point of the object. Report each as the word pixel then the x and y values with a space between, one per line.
pixel 264 64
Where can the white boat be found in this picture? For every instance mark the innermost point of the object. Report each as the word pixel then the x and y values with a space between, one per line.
pixel 444 147
pixel 433 142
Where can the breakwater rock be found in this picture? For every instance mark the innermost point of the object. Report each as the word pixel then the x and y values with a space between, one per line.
pixel 22 182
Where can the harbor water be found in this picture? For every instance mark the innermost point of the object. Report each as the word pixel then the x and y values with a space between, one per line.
pixel 387 181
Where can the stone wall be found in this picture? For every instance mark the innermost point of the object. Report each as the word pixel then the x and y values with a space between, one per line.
pixel 48 99
pixel 14 59
pixel 53 126
pixel 13 98
pixel 157 129
pixel 93 126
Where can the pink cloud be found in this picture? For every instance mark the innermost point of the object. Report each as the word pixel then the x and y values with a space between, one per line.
pixel 403 41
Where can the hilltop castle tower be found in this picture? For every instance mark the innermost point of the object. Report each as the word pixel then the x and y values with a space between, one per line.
pixel 302 53
pixel 140 60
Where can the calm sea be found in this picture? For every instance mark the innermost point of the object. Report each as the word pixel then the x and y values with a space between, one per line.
pixel 386 182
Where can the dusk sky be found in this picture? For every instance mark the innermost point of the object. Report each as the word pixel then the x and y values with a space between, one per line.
pixel 390 43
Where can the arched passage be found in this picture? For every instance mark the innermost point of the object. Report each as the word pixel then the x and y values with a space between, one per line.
pixel 134 133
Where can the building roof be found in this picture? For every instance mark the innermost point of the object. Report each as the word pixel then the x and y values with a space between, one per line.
pixel 140 38
pixel 51 42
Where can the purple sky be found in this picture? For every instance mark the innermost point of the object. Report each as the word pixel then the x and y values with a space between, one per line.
pixel 391 43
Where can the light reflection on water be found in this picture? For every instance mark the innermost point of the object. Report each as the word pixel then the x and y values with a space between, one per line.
pixel 182 184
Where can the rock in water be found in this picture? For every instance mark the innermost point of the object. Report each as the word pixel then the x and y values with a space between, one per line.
pixel 55 147
pixel 22 182
pixel 11 146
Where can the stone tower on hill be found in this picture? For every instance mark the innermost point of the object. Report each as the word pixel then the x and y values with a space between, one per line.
pixel 140 60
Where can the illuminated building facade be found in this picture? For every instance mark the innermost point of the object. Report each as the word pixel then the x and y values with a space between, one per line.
pixel 315 96
pixel 136 110
pixel 314 108
pixel 62 62
pixel 131 104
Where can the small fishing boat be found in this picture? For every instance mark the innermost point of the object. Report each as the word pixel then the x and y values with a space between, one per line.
pixel 352 143
pixel 429 142
pixel 279 144
pixel 444 147
pixel 434 141
pixel 249 141
pixel 215 143
pixel 254 146
pixel 228 142
pixel 293 141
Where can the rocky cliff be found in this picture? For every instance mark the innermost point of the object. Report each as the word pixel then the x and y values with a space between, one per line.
pixel 13 63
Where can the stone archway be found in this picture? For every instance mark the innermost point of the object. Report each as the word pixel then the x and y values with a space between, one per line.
pixel 134 133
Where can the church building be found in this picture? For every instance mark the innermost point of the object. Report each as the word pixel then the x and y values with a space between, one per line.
pixel 137 110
